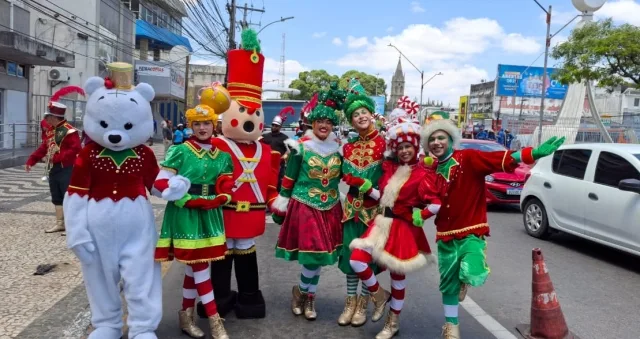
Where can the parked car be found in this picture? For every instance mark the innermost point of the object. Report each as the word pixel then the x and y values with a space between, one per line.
pixel 502 188
pixel 588 190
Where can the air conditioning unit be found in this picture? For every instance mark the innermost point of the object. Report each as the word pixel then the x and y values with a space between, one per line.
pixel 56 74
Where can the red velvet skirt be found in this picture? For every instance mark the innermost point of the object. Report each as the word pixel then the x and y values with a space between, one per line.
pixel 310 236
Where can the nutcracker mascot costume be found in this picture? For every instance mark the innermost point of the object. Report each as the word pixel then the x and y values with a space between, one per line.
pixel 255 174
pixel 308 206
pixel 196 179
pixel 461 222
pixel 392 241
pixel 110 222
pixel 363 156
pixel 60 147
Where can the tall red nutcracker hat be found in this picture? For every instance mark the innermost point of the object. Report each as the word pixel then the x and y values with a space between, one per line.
pixel 245 69
pixel 57 108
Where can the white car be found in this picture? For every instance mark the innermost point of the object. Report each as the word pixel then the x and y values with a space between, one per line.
pixel 588 190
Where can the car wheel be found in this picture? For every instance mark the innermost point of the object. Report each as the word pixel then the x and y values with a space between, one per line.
pixel 535 219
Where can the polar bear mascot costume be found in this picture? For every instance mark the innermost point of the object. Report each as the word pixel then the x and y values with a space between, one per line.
pixel 110 221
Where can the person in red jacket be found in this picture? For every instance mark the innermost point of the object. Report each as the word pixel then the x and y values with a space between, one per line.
pixel 45 129
pixel 60 148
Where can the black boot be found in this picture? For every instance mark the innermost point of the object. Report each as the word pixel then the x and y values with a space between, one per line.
pixel 250 301
pixel 225 298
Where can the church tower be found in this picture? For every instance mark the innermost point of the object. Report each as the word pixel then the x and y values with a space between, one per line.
pixel 397 87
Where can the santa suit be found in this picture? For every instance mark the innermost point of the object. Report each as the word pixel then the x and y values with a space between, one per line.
pixel 106 187
pixel 256 176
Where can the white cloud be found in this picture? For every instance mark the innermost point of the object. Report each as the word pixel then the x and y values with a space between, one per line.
pixel 337 41
pixel 353 42
pixel 389 29
pixel 627 11
pixel 272 72
pixel 416 7
pixel 516 43
pixel 317 35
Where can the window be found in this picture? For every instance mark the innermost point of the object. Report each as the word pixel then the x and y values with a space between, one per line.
pixel 484 147
pixel 571 162
pixel 636 102
pixel 612 168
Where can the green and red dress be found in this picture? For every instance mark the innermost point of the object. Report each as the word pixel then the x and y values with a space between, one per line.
pixel 194 235
pixel 311 232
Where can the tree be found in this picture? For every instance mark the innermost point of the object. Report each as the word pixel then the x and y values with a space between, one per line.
pixel 310 82
pixel 372 84
pixel 600 52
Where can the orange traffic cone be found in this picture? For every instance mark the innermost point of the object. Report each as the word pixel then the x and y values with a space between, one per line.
pixel 547 320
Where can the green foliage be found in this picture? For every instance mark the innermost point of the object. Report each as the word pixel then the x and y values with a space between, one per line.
pixel 249 40
pixel 370 83
pixel 600 52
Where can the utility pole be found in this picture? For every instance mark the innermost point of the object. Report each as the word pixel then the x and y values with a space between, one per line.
pixel 232 24
pixel 186 84
pixel 246 9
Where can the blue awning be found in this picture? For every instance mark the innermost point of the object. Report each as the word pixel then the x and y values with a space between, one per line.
pixel 159 36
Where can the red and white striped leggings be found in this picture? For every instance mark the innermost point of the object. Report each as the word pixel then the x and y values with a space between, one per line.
pixel 197 282
pixel 360 260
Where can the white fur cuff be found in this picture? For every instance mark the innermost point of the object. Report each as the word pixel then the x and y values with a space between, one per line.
pixel 280 204
pixel 375 194
pixel 178 187
pixel 292 144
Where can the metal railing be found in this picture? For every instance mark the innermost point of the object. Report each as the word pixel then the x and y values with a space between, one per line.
pixel 15 137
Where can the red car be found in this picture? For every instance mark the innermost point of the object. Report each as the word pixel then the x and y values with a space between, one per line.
pixel 502 188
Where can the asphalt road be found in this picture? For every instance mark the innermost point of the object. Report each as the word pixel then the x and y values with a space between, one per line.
pixel 422 316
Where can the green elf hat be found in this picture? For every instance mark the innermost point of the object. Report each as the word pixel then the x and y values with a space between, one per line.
pixel 329 102
pixel 356 98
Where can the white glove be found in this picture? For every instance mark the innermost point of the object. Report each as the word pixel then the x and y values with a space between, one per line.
pixel 178 187
pixel 84 252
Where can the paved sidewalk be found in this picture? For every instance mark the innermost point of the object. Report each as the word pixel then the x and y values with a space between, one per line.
pixel 26 305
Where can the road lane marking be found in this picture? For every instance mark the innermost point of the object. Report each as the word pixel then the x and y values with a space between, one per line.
pixel 487 321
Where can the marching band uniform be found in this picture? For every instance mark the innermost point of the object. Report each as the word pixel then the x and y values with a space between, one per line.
pixel 61 147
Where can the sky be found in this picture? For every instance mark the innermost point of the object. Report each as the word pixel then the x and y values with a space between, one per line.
pixel 463 39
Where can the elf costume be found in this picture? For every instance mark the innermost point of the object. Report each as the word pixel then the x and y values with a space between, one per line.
pixel 391 239
pixel 363 156
pixel 193 228
pixel 461 222
pixel 309 201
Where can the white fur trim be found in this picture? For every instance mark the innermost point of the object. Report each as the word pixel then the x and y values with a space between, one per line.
pixel 292 144
pixel 322 147
pixel 437 125
pixel 343 197
pixel 397 180
pixel 280 204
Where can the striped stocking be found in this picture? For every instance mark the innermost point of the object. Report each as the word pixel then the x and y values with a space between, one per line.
pixel 364 291
pixel 450 303
pixel 204 287
pixel 189 292
pixel 309 279
pixel 352 285
pixel 359 263
pixel 398 285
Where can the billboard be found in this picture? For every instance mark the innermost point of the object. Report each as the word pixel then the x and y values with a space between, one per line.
pixel 527 82
pixel 380 101
pixel 462 110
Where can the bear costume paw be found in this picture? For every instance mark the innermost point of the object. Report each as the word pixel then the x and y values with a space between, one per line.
pixel 178 187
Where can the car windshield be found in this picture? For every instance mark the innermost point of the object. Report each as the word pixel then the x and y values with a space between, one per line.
pixel 637 156
pixel 482 146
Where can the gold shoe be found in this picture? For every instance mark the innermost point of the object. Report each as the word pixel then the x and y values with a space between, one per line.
pixel 59 227
pixel 310 307
pixel 297 300
pixel 349 310
pixel 391 327
pixel 463 292
pixel 188 324
pixel 360 316
pixel 217 327
pixel 450 331
pixel 380 299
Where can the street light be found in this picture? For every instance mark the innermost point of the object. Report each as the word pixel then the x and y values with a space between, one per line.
pixel 271 23
pixel 422 82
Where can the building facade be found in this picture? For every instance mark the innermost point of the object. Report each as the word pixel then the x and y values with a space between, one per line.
pixel 397 87
pixel 202 76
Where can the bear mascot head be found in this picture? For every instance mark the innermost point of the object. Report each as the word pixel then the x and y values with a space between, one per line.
pixel 244 120
pixel 118 115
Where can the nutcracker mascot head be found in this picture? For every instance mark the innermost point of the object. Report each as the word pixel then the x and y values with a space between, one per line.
pixel 359 108
pixel 440 136
pixel 118 115
pixel 244 120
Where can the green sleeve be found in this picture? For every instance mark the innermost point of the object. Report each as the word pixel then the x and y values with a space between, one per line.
pixel 173 158
pixel 294 163
pixel 227 168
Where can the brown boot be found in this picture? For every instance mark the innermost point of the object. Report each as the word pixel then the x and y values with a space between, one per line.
pixel 450 331
pixel 310 307
pixel 59 227
pixel 297 300
pixel 391 326
pixel 360 316
pixel 188 324
pixel 463 292
pixel 349 310
pixel 380 299
pixel 217 327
